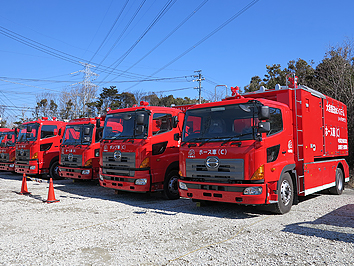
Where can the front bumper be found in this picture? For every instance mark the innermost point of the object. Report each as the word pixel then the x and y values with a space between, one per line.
pixel 6 166
pixel 231 193
pixel 32 168
pixel 78 173
pixel 127 183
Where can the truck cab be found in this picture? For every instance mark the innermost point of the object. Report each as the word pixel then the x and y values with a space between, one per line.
pixel 7 149
pixel 37 147
pixel 139 149
pixel 80 148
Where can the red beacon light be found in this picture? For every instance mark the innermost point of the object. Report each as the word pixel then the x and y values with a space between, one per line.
pixel 44 118
pixel 293 82
pixel 143 103
pixel 235 92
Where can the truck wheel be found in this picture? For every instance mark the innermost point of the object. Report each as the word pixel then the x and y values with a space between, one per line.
pixel 54 170
pixel 285 194
pixel 338 188
pixel 170 185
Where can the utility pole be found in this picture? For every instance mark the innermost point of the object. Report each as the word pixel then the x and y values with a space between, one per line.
pixel 200 78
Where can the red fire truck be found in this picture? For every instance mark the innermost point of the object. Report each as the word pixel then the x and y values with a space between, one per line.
pixel 139 149
pixel 37 147
pixel 266 147
pixel 7 149
pixel 80 149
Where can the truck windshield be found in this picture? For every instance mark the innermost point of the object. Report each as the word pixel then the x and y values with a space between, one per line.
pixel 220 123
pixel 78 134
pixel 7 139
pixel 28 132
pixel 124 125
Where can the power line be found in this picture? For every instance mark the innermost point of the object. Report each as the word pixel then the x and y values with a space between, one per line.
pixel 162 12
pixel 109 32
pixel 56 53
pixel 244 9
pixel 124 30
pixel 168 35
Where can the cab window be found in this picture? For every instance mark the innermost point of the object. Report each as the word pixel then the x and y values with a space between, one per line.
pixel 47 131
pixel 161 123
pixel 276 121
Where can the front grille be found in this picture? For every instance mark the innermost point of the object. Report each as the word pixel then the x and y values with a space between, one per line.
pixel 229 170
pixel 75 162
pixel 4 157
pixel 24 158
pixel 124 167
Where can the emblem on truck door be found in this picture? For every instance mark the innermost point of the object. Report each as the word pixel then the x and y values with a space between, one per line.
pixel 212 163
pixel 117 155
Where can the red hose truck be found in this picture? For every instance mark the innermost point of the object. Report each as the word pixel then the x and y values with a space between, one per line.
pixel 264 147
pixel 37 147
pixel 139 149
pixel 7 149
pixel 80 148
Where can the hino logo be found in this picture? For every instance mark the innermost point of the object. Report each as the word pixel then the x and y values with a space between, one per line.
pixel 70 157
pixel 117 155
pixel 22 152
pixel 212 162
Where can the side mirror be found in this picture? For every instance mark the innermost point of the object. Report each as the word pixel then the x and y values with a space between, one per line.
pixel 98 123
pixel 28 135
pixel 139 129
pixel 263 113
pixel 263 127
pixel 175 121
pixel 140 119
pixel 59 133
pixel 86 138
pixel 29 128
pixel 9 136
pixel 86 131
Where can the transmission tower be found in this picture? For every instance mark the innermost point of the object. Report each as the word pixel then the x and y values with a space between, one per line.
pixel 88 90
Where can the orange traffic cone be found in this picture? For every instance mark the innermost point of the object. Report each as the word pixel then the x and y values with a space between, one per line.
pixel 24 190
pixel 51 196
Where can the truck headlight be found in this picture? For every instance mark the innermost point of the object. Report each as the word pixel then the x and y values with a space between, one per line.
pixel 11 165
pixel 183 186
pixel 101 177
pixel 85 172
pixel 253 191
pixel 32 167
pixel 141 181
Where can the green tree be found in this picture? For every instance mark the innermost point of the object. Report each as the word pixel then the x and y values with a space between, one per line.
pixel 126 99
pixel 334 77
pixel 108 98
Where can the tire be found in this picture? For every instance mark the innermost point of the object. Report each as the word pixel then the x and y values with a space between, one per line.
pixel 338 188
pixel 170 185
pixel 54 170
pixel 285 194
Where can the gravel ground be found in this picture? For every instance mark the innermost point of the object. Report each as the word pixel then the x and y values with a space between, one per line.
pixel 92 225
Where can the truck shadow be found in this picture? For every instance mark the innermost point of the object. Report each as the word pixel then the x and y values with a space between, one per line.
pixel 10 175
pixel 337 225
pixel 154 202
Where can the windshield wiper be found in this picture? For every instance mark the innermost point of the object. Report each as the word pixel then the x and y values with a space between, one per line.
pixel 191 140
pixel 237 136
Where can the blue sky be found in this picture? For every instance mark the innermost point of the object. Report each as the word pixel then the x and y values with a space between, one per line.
pixel 268 32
